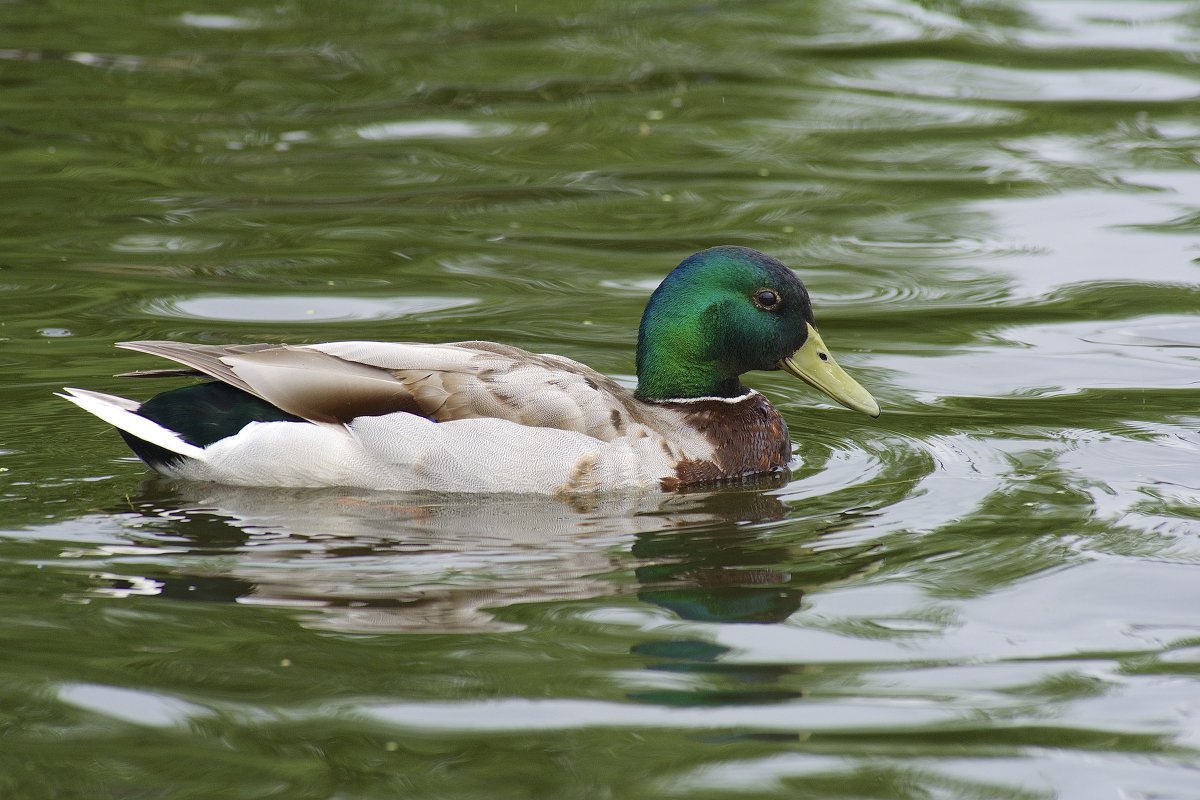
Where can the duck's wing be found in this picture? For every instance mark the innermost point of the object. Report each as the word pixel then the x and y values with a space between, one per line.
pixel 341 381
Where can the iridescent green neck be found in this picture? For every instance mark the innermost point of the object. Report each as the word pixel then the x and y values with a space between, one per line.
pixel 676 357
pixel 670 368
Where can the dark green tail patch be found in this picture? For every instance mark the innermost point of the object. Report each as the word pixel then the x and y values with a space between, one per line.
pixel 201 415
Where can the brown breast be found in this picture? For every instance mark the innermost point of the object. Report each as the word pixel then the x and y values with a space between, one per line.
pixel 748 437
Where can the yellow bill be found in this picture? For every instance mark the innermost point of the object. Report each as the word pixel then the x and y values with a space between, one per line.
pixel 813 364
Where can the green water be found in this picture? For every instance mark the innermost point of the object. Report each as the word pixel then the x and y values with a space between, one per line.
pixel 993 591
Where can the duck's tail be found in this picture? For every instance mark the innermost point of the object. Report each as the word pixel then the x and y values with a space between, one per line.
pixel 123 414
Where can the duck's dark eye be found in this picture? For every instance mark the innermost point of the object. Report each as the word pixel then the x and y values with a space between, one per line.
pixel 767 299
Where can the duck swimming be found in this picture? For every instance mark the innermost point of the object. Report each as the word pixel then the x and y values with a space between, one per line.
pixel 488 417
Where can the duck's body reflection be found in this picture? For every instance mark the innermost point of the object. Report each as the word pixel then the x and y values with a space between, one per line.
pixel 361 561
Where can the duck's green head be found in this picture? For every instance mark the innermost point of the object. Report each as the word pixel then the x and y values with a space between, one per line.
pixel 729 310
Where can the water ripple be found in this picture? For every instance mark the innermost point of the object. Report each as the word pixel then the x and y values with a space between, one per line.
pixel 299 308
pixel 932 78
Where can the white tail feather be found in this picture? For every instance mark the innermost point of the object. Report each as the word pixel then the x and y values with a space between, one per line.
pixel 119 412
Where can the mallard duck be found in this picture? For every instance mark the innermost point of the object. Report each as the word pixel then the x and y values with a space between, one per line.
pixel 487 417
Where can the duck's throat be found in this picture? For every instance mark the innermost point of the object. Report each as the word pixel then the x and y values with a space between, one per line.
pixel 666 378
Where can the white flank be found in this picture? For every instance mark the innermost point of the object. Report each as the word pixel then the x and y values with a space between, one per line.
pixel 119 412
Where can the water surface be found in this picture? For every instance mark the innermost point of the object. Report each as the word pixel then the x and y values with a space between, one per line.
pixel 989 592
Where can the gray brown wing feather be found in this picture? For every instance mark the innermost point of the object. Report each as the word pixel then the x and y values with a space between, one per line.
pixel 182 372
pixel 468 380
pixel 204 358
